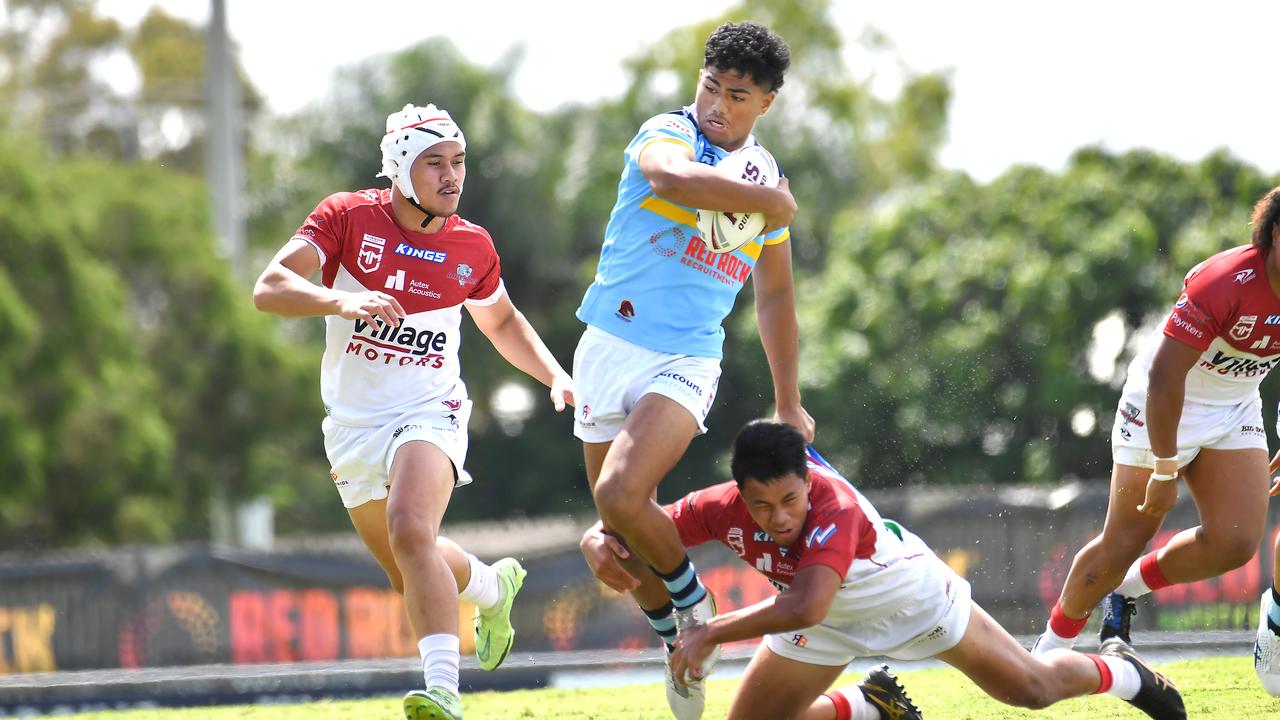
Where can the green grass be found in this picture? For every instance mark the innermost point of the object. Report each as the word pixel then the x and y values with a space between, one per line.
pixel 1222 687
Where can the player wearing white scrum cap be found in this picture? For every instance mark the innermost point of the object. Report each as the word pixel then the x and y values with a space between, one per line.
pixel 397 267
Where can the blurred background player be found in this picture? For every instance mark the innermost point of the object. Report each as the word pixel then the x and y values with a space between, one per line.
pixel 1190 408
pixel 397 267
pixel 648 364
pixel 853 585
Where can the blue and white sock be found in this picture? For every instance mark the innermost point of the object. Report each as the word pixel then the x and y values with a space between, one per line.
pixel 663 622
pixel 683 584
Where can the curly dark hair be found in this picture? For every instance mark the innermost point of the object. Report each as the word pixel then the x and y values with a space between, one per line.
pixel 1266 216
pixel 765 451
pixel 750 48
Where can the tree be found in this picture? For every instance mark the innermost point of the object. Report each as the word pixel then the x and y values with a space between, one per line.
pixel 145 376
pixel 53 82
pixel 949 338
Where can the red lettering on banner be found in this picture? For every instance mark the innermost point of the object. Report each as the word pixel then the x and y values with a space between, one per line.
pixel 318 626
pixel 376 624
pixel 1243 584
pixel 248 612
pixel 283 625
pixel 280 628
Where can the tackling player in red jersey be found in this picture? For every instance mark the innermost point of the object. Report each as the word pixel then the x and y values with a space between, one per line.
pixel 397 267
pixel 854 585
pixel 1190 408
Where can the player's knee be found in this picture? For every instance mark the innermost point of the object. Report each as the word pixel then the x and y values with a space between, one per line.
pixel 1120 550
pixel 410 533
pixel 1235 550
pixel 616 502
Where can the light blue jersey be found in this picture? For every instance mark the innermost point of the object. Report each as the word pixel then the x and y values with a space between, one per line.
pixel 657 285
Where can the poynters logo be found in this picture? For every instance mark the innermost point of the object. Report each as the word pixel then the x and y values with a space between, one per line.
pixel 370 255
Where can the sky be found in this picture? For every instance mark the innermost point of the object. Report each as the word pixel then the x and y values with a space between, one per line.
pixel 1032 81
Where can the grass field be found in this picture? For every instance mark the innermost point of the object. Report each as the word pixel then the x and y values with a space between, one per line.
pixel 1222 687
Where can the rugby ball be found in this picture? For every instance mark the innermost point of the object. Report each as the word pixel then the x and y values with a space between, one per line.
pixel 724 232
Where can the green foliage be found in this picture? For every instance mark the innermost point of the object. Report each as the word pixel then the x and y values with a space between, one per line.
pixel 145 377
pixel 959 318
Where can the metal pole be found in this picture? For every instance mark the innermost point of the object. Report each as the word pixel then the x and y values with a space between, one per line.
pixel 224 145
pixel 224 157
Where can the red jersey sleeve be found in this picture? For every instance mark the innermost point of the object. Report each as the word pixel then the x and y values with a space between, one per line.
pixel 688 513
pixel 488 279
pixel 1203 310
pixel 326 226
pixel 833 540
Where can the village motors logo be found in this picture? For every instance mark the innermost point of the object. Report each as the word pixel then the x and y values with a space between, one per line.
pixel 369 258
pixel 403 345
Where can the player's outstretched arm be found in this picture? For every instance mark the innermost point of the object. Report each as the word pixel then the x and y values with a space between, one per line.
pixel 516 340
pixel 780 335
pixel 283 289
pixel 673 175
pixel 805 603
pixel 1166 389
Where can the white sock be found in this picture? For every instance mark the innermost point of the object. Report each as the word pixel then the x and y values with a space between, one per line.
pixel 440 661
pixel 483 589
pixel 862 707
pixel 1125 681
pixel 1133 586
pixel 1051 640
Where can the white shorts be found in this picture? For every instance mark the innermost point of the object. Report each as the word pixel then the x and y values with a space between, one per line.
pixel 931 621
pixel 1216 427
pixel 360 457
pixel 610 375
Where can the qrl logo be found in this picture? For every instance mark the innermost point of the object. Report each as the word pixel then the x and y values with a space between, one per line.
pixel 1244 327
pixel 370 256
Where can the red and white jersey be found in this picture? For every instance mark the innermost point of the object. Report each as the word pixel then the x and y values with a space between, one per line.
pixel 842 531
pixel 1229 312
pixel 372 374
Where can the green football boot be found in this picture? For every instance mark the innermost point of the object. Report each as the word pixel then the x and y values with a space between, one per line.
pixel 432 704
pixel 494 634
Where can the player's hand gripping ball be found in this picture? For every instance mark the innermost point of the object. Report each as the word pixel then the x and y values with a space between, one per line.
pixel 724 232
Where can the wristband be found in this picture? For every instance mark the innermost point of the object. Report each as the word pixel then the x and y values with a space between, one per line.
pixel 1162 477
pixel 1158 459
